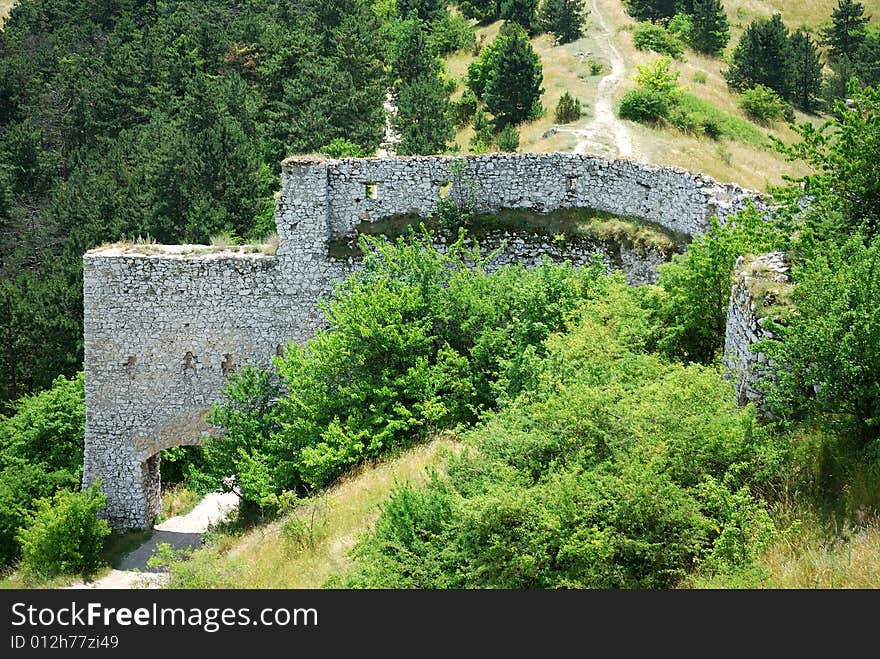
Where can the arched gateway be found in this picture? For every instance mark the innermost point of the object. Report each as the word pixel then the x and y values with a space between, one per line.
pixel 165 326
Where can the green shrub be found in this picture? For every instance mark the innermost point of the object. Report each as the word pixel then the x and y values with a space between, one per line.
pixel 343 148
pixel 595 67
pixel 644 105
pixel 568 109
pixel 698 283
pixel 762 104
pixel 465 108
pixel 711 128
pixel 658 76
pixel 450 33
pixel 508 139
pixel 682 26
pixel 828 354
pixel 685 121
pixel 617 470
pixel 22 483
pixel 655 37
pixel 700 77
pixel 418 340
pixel 64 535
pixel 41 451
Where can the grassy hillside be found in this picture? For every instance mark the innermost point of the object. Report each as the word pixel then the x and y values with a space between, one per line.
pixel 302 551
pixel 311 543
pixel 748 161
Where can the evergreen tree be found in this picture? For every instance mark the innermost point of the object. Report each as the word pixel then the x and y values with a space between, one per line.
pixel 867 60
pixel 763 57
pixel 523 12
pixel 426 10
pixel 651 10
pixel 711 31
pixel 513 88
pixel 847 29
pixel 807 71
pixel 562 18
pixel 481 10
pixel 424 116
pixel 410 55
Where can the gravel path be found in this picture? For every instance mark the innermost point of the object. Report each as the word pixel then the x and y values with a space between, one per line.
pixel 181 532
pixel 604 132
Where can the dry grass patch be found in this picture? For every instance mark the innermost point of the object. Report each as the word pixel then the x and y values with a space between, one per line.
pixel 5 8
pixel 177 500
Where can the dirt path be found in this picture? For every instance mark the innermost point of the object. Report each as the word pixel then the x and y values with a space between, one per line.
pixel 604 134
pixel 181 532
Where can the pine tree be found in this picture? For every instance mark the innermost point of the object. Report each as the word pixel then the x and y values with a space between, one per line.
pixel 514 84
pixel 523 12
pixel 424 116
pixel 807 70
pixel 711 31
pixel 847 30
pixel 410 55
pixel 427 10
pixel 763 57
pixel 562 18
pixel 867 60
pixel 651 10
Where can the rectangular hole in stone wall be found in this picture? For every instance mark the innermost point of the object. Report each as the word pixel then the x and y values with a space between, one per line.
pixel 371 190
pixel 572 183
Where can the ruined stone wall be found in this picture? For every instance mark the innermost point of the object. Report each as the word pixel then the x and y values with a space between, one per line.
pixel 166 326
pixel 760 283
pixel 368 190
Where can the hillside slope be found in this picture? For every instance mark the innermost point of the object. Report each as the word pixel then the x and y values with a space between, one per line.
pixel 750 161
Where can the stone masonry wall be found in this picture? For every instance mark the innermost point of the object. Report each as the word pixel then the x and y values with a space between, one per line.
pixel 758 282
pixel 374 188
pixel 165 328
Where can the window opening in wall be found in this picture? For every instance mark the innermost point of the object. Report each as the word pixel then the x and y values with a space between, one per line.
pixel 129 366
pixel 189 360
pixel 371 190
pixel 572 183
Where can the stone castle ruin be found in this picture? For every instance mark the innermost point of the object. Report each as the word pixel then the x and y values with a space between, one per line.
pixel 165 326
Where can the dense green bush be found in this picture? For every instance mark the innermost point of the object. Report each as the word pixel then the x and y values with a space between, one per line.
pixel 562 18
pixel 568 109
pixel 419 340
pixel 617 470
pixel 64 535
pixel 21 485
pixel 655 37
pixel 449 34
pixel 698 282
pixel 508 139
pixel 343 148
pixel 41 451
pixel 827 355
pixel 762 104
pixel 465 108
pixel 644 105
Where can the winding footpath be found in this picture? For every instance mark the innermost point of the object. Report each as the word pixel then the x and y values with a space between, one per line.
pixel 181 532
pixel 604 126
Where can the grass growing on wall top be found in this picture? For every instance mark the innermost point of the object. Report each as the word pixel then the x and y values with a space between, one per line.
pixel 561 225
